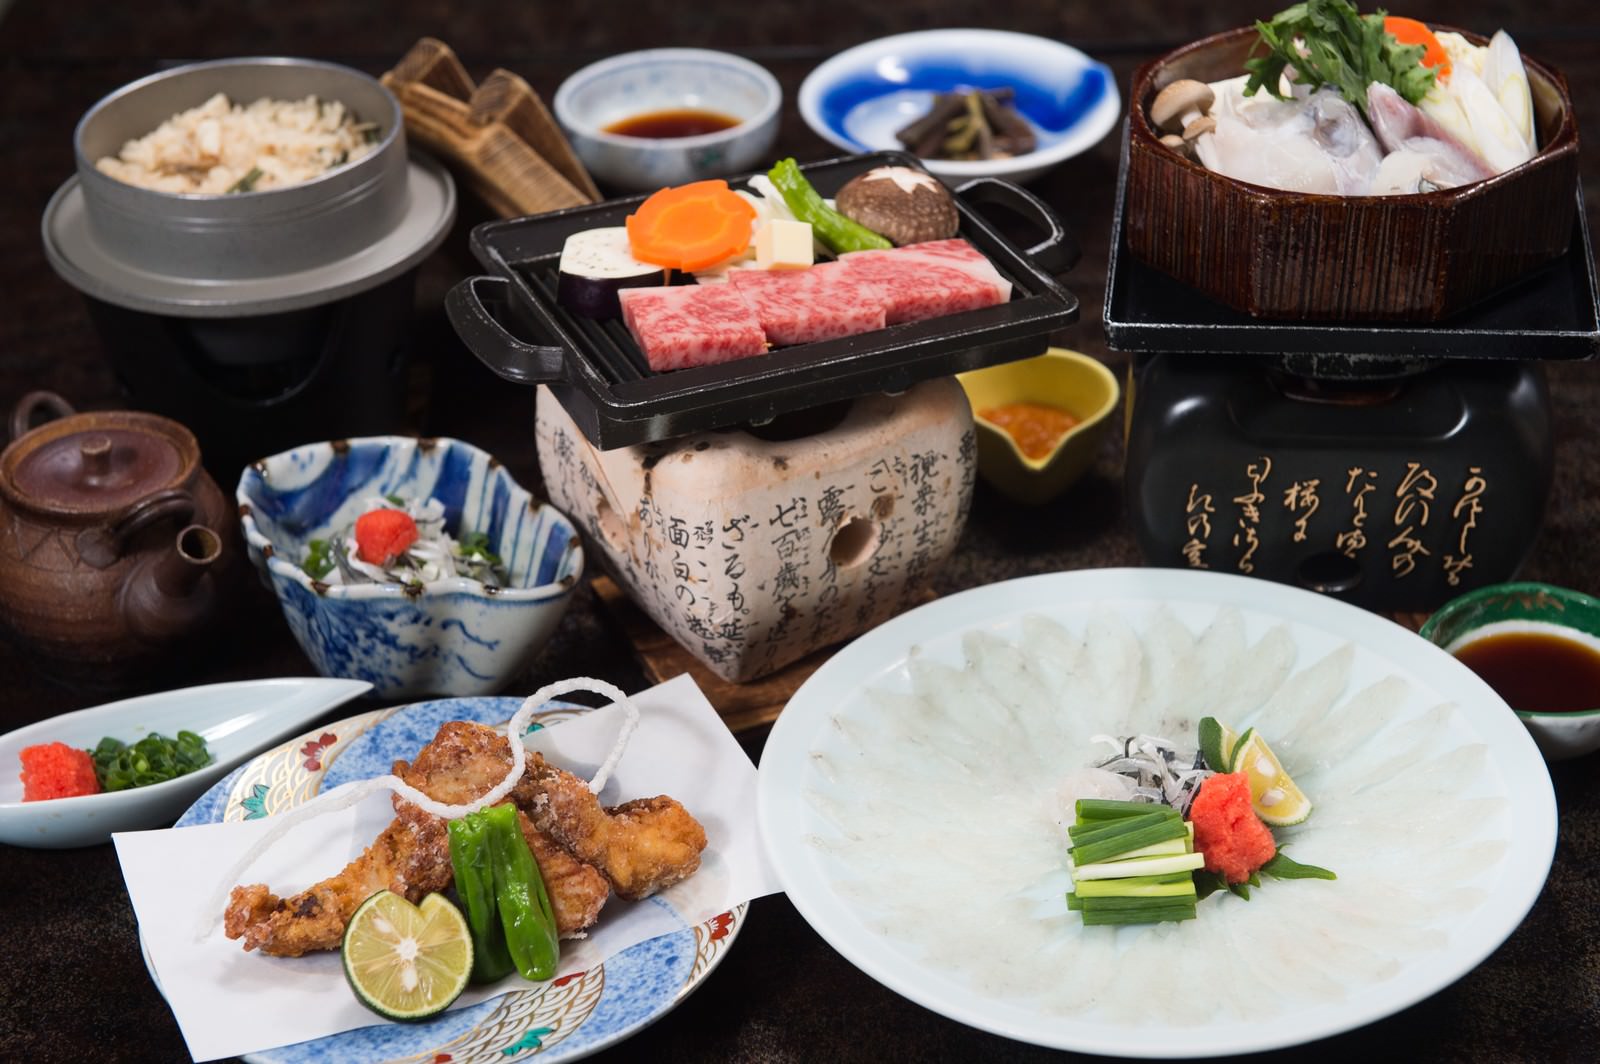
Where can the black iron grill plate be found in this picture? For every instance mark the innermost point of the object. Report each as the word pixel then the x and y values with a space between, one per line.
pixel 602 379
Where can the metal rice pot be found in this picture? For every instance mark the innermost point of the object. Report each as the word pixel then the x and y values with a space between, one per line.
pixel 246 234
pixel 259 319
pixel 1392 486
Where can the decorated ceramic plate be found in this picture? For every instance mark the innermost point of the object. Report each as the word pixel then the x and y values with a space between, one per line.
pixel 566 1019
pixel 921 771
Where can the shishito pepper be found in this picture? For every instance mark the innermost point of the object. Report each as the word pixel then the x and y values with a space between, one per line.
pixel 839 233
pixel 472 858
pixel 525 913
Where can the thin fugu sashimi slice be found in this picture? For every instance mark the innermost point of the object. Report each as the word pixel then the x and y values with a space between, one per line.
pixel 1453 772
pixel 1407 743
pixel 1010 676
pixel 1358 720
pixel 1304 697
pixel 973 725
pixel 1245 682
pixel 1055 654
pixel 1115 668
pixel 1169 672
pixel 1081 962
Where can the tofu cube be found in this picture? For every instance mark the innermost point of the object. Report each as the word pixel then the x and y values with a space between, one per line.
pixel 783 245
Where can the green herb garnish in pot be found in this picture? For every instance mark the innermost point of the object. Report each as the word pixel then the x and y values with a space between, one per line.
pixel 1329 42
pixel 153 759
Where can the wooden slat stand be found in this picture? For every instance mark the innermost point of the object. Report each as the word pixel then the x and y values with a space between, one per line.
pixel 499 134
pixel 740 705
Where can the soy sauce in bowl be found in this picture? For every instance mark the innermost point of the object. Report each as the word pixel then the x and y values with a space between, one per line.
pixel 1536 670
pixel 672 123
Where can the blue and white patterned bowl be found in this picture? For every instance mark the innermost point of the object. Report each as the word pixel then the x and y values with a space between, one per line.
pixel 452 637
pixel 860 98
pixel 662 79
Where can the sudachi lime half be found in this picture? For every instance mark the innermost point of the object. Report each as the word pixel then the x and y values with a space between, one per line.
pixel 404 961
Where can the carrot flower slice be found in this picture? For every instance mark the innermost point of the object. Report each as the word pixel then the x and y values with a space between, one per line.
pixel 691 226
pixel 1409 31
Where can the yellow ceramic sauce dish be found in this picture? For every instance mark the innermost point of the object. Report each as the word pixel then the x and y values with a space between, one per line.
pixel 1065 380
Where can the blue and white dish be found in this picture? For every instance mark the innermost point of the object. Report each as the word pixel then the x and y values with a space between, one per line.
pixel 453 636
pixel 860 98
pixel 235 719
pixel 661 79
pixel 566 1019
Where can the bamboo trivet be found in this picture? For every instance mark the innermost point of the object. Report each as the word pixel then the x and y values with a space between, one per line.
pixel 740 705
pixel 499 134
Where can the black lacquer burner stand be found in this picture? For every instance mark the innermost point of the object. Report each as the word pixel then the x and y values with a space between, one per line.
pixel 1393 466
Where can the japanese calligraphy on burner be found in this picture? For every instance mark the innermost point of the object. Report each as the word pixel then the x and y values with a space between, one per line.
pixel 752 553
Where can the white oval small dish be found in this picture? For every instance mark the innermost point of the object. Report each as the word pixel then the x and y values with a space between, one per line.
pixel 235 719
pixel 861 97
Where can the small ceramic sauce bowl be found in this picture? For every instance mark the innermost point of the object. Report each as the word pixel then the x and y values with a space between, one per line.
pixel 1530 608
pixel 452 636
pixel 1067 380
pixel 668 79
pixel 862 97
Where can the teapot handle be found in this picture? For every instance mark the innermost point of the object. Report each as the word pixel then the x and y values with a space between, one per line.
pixel 22 414
pixel 102 546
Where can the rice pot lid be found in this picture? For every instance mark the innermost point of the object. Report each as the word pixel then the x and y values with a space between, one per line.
pixel 96 464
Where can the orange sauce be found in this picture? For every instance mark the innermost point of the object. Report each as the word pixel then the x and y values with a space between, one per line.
pixel 1536 672
pixel 682 122
pixel 1037 428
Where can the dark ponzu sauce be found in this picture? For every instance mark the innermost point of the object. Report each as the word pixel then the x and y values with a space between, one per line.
pixel 1536 672
pixel 661 125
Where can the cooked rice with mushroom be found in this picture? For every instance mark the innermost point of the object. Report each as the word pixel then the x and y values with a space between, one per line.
pixel 222 147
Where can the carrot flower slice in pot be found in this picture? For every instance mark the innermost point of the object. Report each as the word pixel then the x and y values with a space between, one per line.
pixel 1409 31
pixel 690 227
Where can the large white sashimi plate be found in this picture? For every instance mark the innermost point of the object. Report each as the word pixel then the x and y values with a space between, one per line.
pixel 908 799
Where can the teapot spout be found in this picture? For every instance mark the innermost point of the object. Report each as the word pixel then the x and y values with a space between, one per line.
pixel 171 593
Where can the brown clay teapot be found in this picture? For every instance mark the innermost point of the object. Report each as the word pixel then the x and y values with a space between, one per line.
pixel 112 541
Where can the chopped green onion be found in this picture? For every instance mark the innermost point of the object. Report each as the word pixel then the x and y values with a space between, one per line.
pixel 1096 831
pixel 1107 809
pixel 153 759
pixel 1138 866
pixel 1095 852
pixel 1095 916
pixel 1177 885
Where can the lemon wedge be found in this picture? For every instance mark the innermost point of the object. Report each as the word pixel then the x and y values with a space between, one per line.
pixel 1276 799
pixel 404 961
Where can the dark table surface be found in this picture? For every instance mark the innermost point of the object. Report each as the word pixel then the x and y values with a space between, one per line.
pixel 72 985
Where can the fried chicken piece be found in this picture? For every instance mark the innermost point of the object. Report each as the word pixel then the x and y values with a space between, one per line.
pixel 410 857
pixel 462 762
pixel 576 890
pixel 642 846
